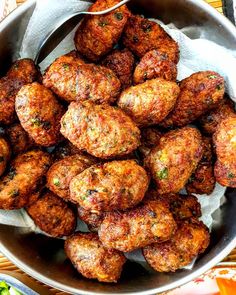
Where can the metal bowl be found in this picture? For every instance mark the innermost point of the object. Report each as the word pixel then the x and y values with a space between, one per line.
pixel 43 257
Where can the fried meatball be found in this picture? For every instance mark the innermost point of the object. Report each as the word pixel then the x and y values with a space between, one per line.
pixel 142 35
pixel 210 120
pixel 149 103
pixel 203 180
pixel 39 113
pixel 225 143
pixel 61 172
pixel 174 160
pixel 97 35
pixel 199 93
pixel 93 220
pixel 73 80
pixel 183 206
pixel 19 139
pixel 116 185
pixel 65 149
pixel 121 62
pixel 52 215
pixel 5 154
pixel 155 64
pixel 101 130
pixel 148 223
pixel 191 239
pixel 24 177
pixel 150 138
pixel 92 260
pixel 24 70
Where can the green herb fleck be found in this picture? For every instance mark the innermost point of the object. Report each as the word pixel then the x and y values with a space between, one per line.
pixel 162 174
pixel 103 23
pixel 14 193
pixel 118 15
pixel 89 192
pixel 212 77
pixel 219 87
pixel 1 159
pixel 36 121
pixel 66 67
pixel 56 181
pixel 231 175
pixel 11 173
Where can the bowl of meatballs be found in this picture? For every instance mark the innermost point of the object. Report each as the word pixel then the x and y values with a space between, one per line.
pixel 106 152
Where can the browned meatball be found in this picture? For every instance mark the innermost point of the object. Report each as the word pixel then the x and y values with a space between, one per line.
pixel 121 62
pixel 61 172
pixel 73 80
pixel 52 215
pixel 174 160
pixel 150 138
pixel 97 35
pixel 142 35
pixel 199 93
pixel 149 103
pixel 155 64
pixel 148 223
pixel 210 120
pixel 65 149
pixel 203 180
pixel 22 72
pixel 39 113
pixel 24 177
pixel 101 130
pixel 225 143
pixel 5 154
pixel 93 260
pixel 19 139
pixel 116 185
pixel 191 239
pixel 93 220
pixel 183 206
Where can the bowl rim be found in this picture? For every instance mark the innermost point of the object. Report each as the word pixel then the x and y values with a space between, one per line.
pixel 213 262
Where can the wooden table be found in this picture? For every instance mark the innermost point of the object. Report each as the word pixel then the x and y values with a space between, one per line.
pixel 6 265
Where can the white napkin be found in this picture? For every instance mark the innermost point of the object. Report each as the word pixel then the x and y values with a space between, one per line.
pixel 6 6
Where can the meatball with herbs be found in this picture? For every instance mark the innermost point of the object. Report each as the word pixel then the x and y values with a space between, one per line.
pixel 225 143
pixel 142 35
pixel 116 185
pixel 175 159
pixel 92 260
pixel 150 102
pixel 5 154
pixel 146 224
pixel 52 215
pixel 101 130
pixel 97 35
pixel 61 173
pixel 121 62
pixel 39 113
pixel 191 239
pixel 199 93
pixel 24 177
pixel 155 64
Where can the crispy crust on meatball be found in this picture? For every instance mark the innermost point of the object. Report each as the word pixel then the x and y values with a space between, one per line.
pixel 191 239
pixel 39 113
pixel 199 93
pixel 61 173
pixel 97 35
pixel 52 215
pixel 73 80
pixel 210 120
pixel 101 130
pixel 225 143
pixel 121 62
pixel 116 185
pixel 24 177
pixel 150 102
pixel 92 260
pixel 142 35
pixel 150 138
pixel 148 223
pixel 203 180
pixel 5 154
pixel 155 64
pixel 174 160
pixel 93 220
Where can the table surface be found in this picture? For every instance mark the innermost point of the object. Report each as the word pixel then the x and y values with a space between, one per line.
pixel 6 265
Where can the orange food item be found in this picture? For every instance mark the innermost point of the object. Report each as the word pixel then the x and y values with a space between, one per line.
pixel 227 287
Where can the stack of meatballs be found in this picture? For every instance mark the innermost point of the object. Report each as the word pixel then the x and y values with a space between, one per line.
pixel 104 135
